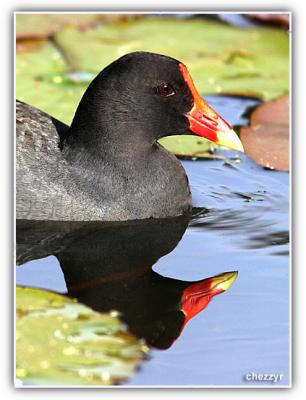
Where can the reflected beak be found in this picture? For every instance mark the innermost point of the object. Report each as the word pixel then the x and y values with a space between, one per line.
pixel 197 296
pixel 206 122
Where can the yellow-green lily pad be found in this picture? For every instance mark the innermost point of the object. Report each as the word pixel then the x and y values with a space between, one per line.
pixel 40 82
pixel 188 146
pixel 62 342
pixel 221 58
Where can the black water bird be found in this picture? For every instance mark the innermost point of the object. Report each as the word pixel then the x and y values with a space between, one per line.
pixel 108 164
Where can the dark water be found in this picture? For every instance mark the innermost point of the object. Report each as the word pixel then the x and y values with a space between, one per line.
pixel 244 228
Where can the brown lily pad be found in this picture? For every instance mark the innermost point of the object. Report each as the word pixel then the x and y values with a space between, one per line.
pixel 266 140
pixel 44 25
pixel 281 19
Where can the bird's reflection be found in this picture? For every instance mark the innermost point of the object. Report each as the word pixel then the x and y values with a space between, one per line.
pixel 109 267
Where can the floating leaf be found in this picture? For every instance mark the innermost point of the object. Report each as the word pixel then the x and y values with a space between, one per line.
pixel 41 26
pixel 188 146
pixel 275 18
pixel 267 139
pixel 40 78
pixel 60 341
pixel 44 25
pixel 221 58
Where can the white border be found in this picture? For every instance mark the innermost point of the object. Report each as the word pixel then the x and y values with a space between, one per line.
pixel 155 12
pixel 290 274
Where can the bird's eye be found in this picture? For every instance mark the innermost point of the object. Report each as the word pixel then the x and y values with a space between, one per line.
pixel 165 90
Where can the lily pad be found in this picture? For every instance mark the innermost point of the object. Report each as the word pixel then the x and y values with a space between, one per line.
pixel 78 346
pixel 41 81
pixel 267 139
pixel 281 19
pixel 221 58
pixel 44 25
pixel 41 26
pixel 188 146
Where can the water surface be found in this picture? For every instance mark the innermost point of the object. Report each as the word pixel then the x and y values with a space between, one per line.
pixel 240 224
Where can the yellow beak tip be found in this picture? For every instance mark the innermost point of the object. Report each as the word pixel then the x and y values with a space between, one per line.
pixel 225 281
pixel 230 140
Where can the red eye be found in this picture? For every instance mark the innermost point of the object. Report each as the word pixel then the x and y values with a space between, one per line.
pixel 165 90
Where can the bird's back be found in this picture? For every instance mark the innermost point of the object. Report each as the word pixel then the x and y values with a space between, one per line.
pixel 40 169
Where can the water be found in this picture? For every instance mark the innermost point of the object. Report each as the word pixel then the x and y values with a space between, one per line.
pixel 245 329
pixel 243 227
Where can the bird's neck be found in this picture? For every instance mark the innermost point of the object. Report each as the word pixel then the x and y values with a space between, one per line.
pixel 95 144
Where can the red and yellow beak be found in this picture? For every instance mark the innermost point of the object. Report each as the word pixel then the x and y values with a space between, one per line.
pixel 206 122
pixel 198 295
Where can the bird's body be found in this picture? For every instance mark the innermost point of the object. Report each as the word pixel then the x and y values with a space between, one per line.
pixel 108 164
pixel 51 187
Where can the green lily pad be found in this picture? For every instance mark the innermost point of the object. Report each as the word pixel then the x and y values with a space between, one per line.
pixel 221 58
pixel 188 146
pixel 60 341
pixel 41 81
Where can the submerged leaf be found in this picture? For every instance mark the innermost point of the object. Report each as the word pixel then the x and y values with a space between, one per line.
pixel 267 139
pixel 60 341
